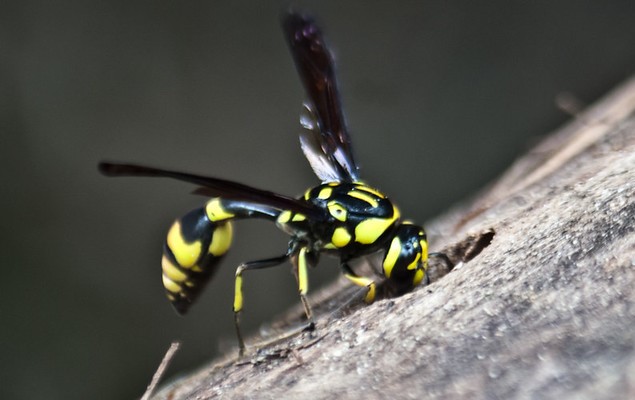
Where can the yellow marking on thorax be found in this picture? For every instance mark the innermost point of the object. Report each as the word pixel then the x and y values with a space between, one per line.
pixel 298 217
pixel 216 212
pixel 186 254
pixel 392 255
pixel 337 211
pixel 284 217
pixel 369 230
pixel 325 193
pixel 340 237
pixel 371 190
pixel 364 196
pixel 221 239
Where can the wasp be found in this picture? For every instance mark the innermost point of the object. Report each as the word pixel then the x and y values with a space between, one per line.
pixel 342 216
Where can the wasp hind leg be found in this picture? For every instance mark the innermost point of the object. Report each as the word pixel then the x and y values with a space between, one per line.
pixel 238 291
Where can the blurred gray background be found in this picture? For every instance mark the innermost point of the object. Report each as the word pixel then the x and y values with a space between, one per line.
pixel 440 95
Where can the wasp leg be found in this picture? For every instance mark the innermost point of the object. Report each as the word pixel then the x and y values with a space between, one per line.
pixel 361 281
pixel 238 293
pixel 301 266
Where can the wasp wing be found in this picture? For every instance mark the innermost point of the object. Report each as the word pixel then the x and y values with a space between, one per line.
pixel 216 187
pixel 325 140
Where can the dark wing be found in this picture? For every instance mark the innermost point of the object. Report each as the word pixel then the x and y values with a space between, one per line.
pixel 325 140
pixel 215 187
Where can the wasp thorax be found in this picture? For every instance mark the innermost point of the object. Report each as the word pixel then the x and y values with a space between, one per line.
pixel 359 217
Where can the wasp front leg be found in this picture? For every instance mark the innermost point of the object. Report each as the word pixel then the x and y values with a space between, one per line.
pixel 362 281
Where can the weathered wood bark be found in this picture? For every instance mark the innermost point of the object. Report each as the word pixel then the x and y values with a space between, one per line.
pixel 546 311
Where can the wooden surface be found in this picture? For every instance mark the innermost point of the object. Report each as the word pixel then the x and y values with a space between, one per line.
pixel 547 310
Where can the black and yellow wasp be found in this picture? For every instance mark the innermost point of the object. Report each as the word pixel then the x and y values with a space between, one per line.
pixel 342 216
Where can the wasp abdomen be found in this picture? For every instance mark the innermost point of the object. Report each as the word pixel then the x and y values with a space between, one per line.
pixel 194 247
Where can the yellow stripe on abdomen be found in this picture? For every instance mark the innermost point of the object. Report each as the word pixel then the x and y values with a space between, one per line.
pixel 186 254
pixel 221 239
